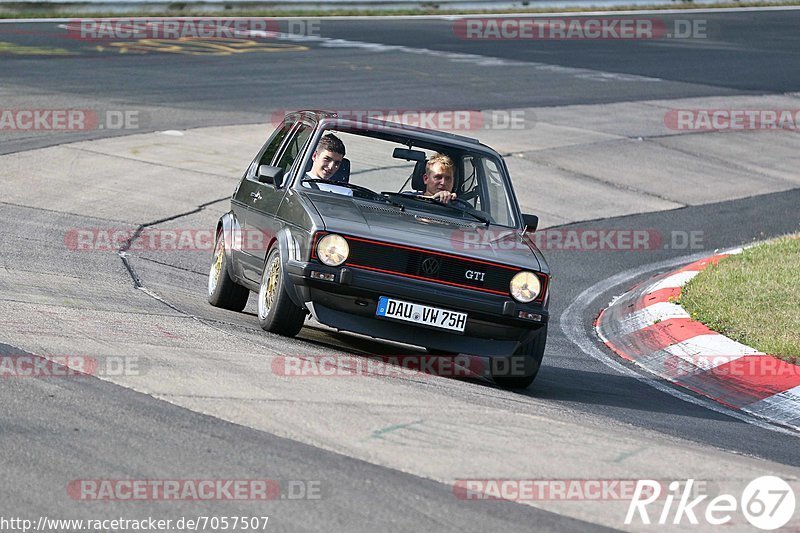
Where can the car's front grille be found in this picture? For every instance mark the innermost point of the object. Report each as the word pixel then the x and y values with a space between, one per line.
pixel 428 265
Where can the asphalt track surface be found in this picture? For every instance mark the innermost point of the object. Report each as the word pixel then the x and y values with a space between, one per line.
pixel 742 53
pixel 56 430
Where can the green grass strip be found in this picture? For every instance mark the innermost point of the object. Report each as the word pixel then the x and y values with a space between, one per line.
pixel 753 297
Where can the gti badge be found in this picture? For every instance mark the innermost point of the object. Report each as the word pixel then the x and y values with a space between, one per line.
pixel 474 275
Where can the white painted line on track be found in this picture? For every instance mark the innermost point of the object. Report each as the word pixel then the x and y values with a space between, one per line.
pixel 457 57
pixel 574 329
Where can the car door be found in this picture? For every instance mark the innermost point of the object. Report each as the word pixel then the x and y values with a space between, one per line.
pixel 248 195
pixel 261 222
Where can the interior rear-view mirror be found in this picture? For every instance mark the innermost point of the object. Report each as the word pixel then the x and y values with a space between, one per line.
pixel 408 155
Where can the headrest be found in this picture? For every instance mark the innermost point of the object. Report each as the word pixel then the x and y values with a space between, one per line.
pixel 342 174
pixel 416 176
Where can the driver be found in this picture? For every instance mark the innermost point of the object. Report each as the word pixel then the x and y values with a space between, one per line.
pixel 439 179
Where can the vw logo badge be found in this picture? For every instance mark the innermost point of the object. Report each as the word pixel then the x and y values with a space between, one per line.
pixel 430 266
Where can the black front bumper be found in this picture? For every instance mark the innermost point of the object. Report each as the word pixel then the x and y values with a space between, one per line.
pixel 350 303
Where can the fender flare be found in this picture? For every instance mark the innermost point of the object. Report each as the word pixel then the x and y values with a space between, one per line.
pixel 282 242
pixel 230 228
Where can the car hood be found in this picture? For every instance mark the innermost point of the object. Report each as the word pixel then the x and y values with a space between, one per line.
pixel 417 228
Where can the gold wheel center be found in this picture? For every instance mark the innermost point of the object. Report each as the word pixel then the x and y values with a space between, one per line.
pixel 272 283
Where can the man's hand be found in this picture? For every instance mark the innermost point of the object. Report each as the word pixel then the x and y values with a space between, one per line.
pixel 443 196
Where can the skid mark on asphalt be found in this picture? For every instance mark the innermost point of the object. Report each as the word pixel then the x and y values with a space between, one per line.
pixel 379 433
pixel 630 453
pixel 436 433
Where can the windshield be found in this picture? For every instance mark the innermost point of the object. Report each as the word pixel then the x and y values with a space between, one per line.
pixel 399 168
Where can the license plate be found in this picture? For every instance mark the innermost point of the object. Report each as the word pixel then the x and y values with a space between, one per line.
pixel 421 314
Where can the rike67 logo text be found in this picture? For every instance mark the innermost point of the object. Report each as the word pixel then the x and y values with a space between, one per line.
pixel 767 502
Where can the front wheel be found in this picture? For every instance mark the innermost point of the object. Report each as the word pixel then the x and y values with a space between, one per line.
pixel 519 370
pixel 277 313
pixel 222 290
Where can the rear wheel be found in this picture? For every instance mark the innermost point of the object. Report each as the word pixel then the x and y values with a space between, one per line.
pixel 222 290
pixel 277 313
pixel 519 370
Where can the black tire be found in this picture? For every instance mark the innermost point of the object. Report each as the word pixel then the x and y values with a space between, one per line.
pixel 222 290
pixel 521 368
pixel 277 313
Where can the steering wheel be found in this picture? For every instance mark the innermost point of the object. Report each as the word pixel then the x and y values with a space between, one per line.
pixel 461 201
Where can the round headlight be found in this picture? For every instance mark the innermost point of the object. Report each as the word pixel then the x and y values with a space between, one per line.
pixel 333 250
pixel 525 286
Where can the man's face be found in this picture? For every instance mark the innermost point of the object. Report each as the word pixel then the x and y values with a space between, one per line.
pixel 439 178
pixel 326 163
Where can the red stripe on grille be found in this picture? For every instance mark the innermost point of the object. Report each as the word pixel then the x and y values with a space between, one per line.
pixel 542 277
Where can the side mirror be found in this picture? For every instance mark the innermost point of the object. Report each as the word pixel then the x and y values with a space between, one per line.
pixel 269 174
pixel 531 222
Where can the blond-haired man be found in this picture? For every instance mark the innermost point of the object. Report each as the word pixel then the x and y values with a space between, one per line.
pixel 439 178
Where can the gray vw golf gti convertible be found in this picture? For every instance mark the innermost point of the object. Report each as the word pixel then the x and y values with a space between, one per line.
pixel 364 245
